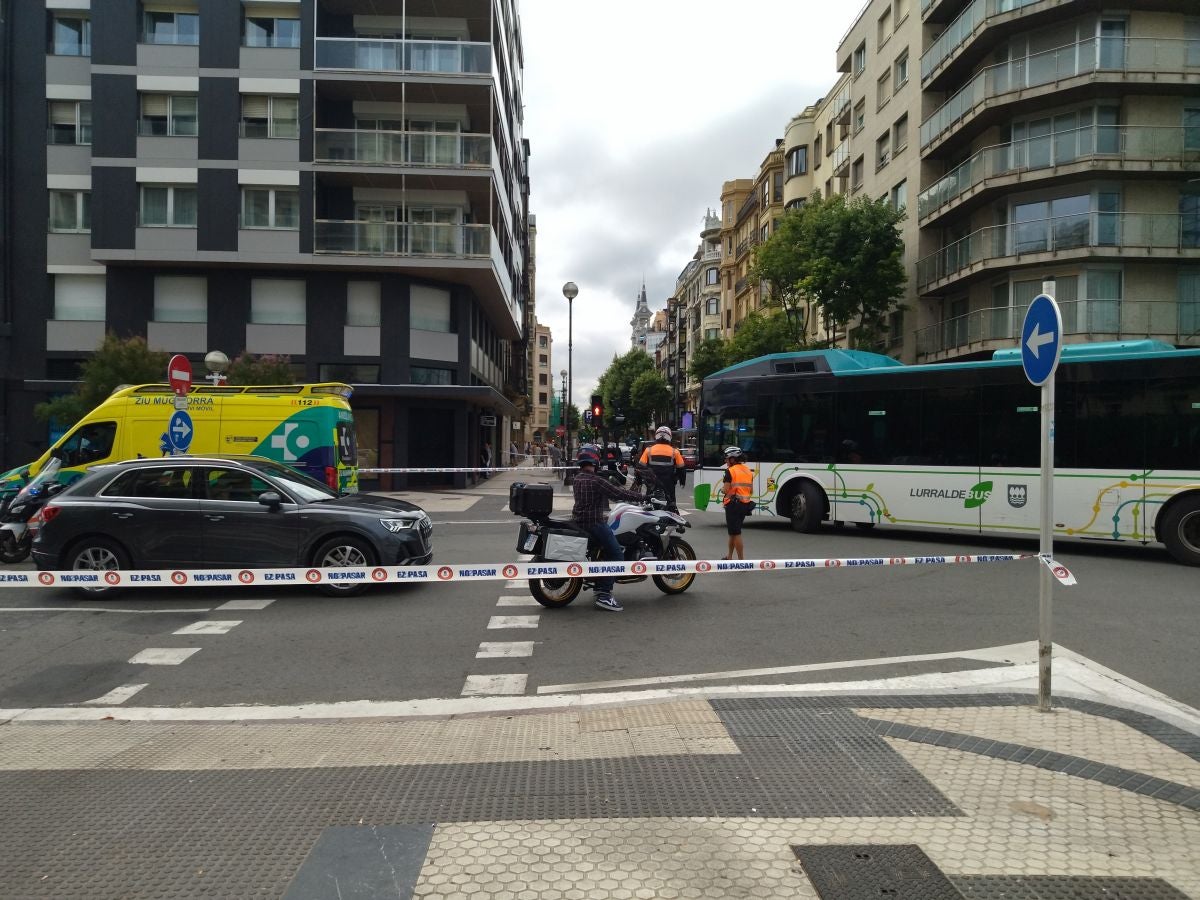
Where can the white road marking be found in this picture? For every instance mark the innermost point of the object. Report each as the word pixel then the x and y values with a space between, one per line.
pixel 498 649
pixel 102 609
pixel 521 583
pixel 246 604
pixel 163 656
pixel 513 622
pixel 210 627
pixel 116 695
pixel 517 601
pixel 484 685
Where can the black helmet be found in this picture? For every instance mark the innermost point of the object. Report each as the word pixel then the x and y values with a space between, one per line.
pixel 588 455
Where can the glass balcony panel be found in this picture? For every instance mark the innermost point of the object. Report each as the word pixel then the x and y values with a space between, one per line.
pixel 402 148
pixel 394 55
pixel 401 239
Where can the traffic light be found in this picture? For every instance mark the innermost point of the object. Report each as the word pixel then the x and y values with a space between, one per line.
pixel 597 407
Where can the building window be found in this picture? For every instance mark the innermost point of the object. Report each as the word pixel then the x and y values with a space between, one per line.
pixel 363 307
pixel 797 161
pixel 884 27
pixel 860 115
pixel 351 373
pixel 270 31
pixel 712 306
pixel 860 59
pixel 270 117
pixel 171 115
pixel 542 342
pixel 883 89
pixel 899 195
pixel 882 150
pixel 902 7
pixel 817 152
pixel 277 301
pixel 429 309
pixel 1189 219
pixel 79 298
pixel 270 208
pixel 711 334
pixel 431 375
pixel 180 299
pixel 542 399
pixel 900 133
pixel 777 187
pixel 543 360
pixel 543 380
pixel 168 205
pixel 70 121
pixel 71 211
pixel 70 35
pixel 712 276
pixel 900 70
pixel 856 174
pixel 170 27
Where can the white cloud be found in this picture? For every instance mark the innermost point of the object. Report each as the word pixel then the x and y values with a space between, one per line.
pixel 636 112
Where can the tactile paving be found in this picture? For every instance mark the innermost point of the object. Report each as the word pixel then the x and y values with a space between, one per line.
pixel 872 871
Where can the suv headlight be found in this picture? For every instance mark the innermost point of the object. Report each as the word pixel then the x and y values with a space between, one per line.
pixel 395 526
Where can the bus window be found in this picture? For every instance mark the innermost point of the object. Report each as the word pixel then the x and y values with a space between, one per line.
pixel 878 426
pixel 1173 424
pixel 88 444
pixel 1108 424
pixel 949 426
pixel 1010 426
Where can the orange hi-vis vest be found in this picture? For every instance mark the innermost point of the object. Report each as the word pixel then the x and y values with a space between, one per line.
pixel 662 458
pixel 741 480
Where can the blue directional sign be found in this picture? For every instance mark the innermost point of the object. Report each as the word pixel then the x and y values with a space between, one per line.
pixel 1041 339
pixel 179 431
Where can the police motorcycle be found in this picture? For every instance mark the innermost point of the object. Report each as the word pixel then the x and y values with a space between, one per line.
pixel 15 537
pixel 613 467
pixel 645 531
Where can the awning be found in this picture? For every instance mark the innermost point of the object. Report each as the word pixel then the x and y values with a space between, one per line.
pixel 482 396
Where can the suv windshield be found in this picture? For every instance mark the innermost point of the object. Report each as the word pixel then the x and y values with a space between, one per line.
pixel 306 489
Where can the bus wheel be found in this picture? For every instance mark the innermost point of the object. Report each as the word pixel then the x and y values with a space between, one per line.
pixel 808 508
pixel 1181 530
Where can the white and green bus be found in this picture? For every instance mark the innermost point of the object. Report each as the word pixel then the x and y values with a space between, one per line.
pixel 849 436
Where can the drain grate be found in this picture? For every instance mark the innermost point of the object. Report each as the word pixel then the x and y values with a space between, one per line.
pixel 875 871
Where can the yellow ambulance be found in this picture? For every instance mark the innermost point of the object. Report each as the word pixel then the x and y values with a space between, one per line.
pixel 306 426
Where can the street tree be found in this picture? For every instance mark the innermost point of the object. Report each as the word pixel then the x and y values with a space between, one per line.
pixel 617 381
pixel 760 333
pixel 117 361
pixel 839 260
pixel 708 357
pixel 649 400
pixel 266 369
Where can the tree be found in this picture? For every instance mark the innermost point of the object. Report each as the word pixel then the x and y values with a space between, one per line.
pixel 267 369
pixel 648 395
pixel 708 357
pixel 760 333
pixel 117 361
pixel 617 381
pixel 844 259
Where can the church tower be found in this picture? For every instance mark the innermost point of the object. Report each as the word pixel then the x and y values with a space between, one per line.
pixel 640 321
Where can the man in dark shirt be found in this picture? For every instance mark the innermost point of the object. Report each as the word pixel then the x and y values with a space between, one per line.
pixel 590 513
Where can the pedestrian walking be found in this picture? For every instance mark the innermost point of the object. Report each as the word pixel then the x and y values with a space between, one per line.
pixel 738 482
pixel 485 457
pixel 555 454
pixel 512 453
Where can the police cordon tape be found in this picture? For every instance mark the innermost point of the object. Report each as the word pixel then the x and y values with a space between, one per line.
pixel 465 469
pixel 477 571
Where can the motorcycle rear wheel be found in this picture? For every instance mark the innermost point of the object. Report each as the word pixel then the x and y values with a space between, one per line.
pixel 554 593
pixel 676 584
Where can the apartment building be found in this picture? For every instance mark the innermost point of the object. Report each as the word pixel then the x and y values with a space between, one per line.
pixel 1037 140
pixel 340 181
pixel 693 315
pixel 539 425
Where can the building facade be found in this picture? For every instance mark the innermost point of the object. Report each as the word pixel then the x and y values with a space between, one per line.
pixel 343 182
pixel 539 425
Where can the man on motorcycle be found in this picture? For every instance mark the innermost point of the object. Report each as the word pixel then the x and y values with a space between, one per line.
pixel 667 464
pixel 590 513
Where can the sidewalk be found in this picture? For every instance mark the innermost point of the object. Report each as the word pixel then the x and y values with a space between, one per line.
pixel 831 797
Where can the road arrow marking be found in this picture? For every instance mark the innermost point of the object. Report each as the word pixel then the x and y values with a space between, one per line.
pixel 1037 340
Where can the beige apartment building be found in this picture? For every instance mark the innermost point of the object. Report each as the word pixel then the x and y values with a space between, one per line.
pixel 693 315
pixel 538 426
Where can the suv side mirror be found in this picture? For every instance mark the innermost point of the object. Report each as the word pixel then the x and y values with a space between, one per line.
pixel 270 499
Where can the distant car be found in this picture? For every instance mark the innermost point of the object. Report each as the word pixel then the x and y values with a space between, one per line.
pixel 223 512
pixel 626 452
pixel 691 457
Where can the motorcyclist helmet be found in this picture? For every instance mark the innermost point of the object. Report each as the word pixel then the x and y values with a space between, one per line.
pixel 733 453
pixel 662 433
pixel 588 455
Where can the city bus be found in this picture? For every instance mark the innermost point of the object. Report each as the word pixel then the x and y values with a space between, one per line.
pixel 848 436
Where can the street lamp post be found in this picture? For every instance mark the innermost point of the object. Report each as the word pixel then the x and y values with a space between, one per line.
pixel 563 407
pixel 570 291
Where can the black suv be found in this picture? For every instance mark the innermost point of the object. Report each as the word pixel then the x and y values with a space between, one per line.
pixel 223 512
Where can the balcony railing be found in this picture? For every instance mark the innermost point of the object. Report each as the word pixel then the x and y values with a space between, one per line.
pixel 1095 55
pixel 409 56
pixel 1095 142
pixel 959 31
pixel 841 155
pixel 1151 231
pixel 357 238
pixel 841 103
pixel 1120 319
pixel 402 148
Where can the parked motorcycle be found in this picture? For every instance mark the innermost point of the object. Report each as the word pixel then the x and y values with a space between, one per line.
pixel 15 537
pixel 645 531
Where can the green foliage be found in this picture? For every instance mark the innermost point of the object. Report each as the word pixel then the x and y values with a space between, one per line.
pixel 708 357
pixel 117 361
pixel 267 369
pixel 841 261
pixel 649 400
pixel 760 333
pixel 617 381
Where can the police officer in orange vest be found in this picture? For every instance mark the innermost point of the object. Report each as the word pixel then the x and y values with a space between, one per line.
pixel 666 463
pixel 739 481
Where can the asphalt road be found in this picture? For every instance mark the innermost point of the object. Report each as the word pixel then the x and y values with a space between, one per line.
pixel 1134 611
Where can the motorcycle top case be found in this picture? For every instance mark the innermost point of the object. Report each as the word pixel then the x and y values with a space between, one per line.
pixel 531 499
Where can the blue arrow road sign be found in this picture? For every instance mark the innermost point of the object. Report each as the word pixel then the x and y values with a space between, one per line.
pixel 179 431
pixel 1041 339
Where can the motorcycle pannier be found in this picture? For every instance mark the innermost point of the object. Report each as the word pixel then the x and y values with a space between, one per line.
pixel 563 546
pixel 531 499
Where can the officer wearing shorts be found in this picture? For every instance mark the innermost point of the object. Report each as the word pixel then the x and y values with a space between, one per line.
pixel 739 481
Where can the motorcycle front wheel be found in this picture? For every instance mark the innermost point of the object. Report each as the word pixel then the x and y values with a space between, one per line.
pixel 554 593
pixel 13 551
pixel 676 584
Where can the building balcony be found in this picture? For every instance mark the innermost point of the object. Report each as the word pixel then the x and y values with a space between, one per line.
pixel 1119 149
pixel 1000 327
pixel 841 105
pixel 713 255
pixel 969 23
pixel 1087 235
pixel 402 148
pixel 1147 63
pixel 841 157
pixel 403 57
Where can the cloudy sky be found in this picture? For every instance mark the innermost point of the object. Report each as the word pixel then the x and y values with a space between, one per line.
pixel 636 113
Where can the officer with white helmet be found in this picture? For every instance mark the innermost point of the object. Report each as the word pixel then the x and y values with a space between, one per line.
pixel 666 463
